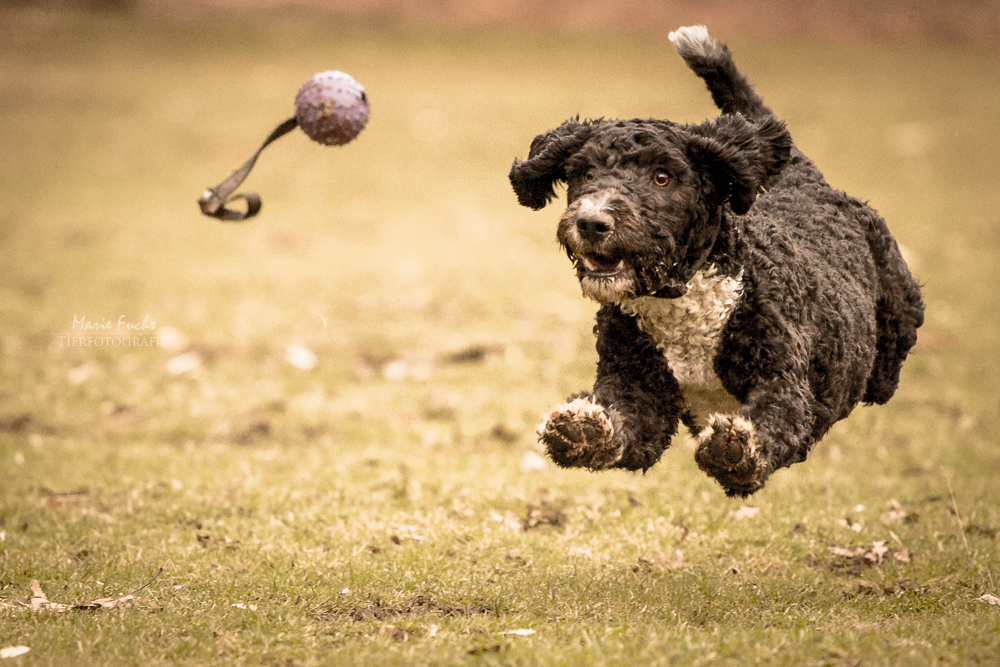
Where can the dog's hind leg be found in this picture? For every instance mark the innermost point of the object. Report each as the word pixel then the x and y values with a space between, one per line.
pixel 633 411
pixel 714 63
pixel 899 312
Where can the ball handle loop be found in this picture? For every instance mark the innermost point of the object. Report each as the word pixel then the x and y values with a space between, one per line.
pixel 213 201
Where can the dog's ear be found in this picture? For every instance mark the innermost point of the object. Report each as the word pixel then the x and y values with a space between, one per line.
pixel 534 179
pixel 742 156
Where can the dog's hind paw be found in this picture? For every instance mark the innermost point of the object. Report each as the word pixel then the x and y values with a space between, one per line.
pixel 727 450
pixel 580 434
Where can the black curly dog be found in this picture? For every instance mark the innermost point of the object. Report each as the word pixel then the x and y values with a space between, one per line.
pixel 742 295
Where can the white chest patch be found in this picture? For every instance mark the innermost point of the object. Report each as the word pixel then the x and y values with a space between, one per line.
pixel 687 331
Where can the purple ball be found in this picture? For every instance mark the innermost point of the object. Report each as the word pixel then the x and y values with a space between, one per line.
pixel 331 107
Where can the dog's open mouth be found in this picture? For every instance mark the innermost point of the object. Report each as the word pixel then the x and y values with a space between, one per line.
pixel 605 278
pixel 596 265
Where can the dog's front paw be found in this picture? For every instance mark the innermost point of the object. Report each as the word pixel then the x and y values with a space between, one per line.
pixel 580 434
pixel 727 450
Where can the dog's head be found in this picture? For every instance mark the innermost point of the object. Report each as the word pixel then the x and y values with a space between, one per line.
pixel 646 198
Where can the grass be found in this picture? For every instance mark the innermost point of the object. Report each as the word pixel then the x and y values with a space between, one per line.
pixel 375 509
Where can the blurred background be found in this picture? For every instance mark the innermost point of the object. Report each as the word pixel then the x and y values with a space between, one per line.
pixel 885 19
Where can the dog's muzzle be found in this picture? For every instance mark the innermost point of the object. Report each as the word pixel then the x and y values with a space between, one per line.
pixel 587 231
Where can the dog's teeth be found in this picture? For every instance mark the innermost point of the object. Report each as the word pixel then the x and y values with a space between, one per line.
pixel 589 265
pixel 621 263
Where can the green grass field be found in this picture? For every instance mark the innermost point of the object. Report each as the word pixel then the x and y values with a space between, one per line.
pixel 377 509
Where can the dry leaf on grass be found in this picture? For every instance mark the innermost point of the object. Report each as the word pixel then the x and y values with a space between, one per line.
pixel 656 561
pixel 106 603
pixel 745 512
pixel 396 633
pixel 896 515
pixel 39 601
pixel 301 357
pixel 850 524
pixel 183 363
pixel 13 651
pixel 547 514
pixel 172 339
pixel 875 555
pixel 507 519
pixel 862 587
pixel 533 462
pixel 989 599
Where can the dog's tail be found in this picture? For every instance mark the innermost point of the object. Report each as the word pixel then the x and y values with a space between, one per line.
pixel 713 62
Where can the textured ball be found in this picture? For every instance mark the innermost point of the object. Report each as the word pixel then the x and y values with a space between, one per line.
pixel 331 107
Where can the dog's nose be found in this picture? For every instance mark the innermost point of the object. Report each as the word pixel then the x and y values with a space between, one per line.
pixel 594 225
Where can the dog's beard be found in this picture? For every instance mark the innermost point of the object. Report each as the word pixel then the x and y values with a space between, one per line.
pixel 605 278
pixel 608 289
pixel 609 281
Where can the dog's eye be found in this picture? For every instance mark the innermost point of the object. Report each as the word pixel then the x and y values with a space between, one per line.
pixel 589 176
pixel 661 178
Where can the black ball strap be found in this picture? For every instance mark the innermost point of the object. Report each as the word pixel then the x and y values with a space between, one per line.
pixel 213 201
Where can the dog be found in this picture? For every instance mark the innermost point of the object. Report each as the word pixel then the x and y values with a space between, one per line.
pixel 740 294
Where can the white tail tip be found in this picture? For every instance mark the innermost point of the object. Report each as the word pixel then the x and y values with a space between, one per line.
pixel 692 40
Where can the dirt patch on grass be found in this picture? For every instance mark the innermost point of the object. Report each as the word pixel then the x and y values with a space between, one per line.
pixel 421 605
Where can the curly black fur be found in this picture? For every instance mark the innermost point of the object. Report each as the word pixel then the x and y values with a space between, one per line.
pixel 821 313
